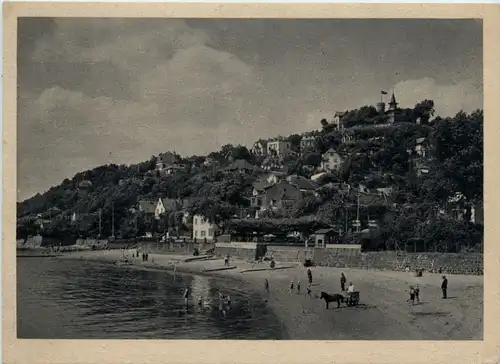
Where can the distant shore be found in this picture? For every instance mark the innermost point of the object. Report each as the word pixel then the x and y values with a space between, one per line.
pixel 382 315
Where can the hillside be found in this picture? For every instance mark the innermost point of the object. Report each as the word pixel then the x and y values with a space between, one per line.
pixel 375 155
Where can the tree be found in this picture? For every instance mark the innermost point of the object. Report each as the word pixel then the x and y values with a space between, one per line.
pixel 295 142
pixel 312 159
pixel 423 110
pixel 459 155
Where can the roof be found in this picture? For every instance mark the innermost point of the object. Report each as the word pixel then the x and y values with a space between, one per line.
pixel 169 203
pixel 261 141
pixel 261 185
pixel 420 140
pixel 302 183
pixel 340 113
pixel 393 100
pixel 147 206
pixel 371 200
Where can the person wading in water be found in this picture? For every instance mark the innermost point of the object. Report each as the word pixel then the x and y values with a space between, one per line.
pixel 186 296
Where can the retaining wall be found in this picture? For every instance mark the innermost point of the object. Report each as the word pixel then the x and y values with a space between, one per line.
pixel 245 251
pixel 289 253
pixel 451 263
pixel 350 256
pixel 338 255
pixel 177 248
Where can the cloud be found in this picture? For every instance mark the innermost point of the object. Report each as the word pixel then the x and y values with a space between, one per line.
pixel 97 91
pixel 448 99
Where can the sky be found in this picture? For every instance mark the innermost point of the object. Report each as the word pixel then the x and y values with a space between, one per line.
pixel 98 91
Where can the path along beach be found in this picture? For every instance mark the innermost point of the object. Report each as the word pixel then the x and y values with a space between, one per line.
pixel 383 313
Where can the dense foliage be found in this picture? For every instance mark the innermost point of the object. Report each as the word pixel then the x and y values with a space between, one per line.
pixel 373 156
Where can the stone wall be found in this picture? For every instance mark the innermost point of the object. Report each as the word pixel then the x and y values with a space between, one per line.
pixel 341 256
pixel 89 243
pixel 289 253
pixel 450 263
pixel 245 251
pixel 176 247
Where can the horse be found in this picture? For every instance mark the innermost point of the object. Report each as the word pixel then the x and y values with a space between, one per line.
pixel 332 298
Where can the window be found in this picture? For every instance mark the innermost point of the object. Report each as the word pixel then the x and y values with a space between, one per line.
pixel 202 220
pixel 202 233
pixel 195 221
pixel 195 234
pixel 210 233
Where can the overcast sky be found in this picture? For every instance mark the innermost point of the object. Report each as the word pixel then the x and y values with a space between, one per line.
pixel 99 91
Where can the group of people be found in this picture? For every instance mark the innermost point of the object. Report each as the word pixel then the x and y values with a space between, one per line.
pixel 414 291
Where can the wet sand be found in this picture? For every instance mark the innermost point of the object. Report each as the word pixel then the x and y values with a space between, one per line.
pixel 383 313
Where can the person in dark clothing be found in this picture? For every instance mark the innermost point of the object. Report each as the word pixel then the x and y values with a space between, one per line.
pixel 309 276
pixel 343 281
pixel 266 285
pixel 444 287
pixel 417 293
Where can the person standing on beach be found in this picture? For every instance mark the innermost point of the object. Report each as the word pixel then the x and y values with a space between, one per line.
pixel 412 295
pixel 291 287
pixel 266 285
pixel 298 286
pixel 309 290
pixel 343 281
pixel 417 293
pixel 309 276
pixel 226 260
pixel 444 287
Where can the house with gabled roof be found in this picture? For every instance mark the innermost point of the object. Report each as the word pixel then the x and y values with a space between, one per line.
pixel 259 148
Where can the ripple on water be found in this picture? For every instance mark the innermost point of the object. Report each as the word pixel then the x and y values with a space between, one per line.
pixel 75 299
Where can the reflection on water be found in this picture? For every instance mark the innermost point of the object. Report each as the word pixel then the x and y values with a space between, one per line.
pixel 79 299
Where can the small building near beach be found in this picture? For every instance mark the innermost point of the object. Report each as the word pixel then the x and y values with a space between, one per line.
pixel 203 229
pixel 323 237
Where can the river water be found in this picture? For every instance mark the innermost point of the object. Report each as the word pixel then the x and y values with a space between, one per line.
pixel 74 299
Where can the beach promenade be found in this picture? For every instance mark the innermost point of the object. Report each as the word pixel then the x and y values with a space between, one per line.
pixel 383 313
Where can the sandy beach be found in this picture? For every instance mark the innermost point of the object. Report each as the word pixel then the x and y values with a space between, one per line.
pixel 383 313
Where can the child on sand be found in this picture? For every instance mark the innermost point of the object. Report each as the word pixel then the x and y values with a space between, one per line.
pixel 412 295
pixel 291 287
pixel 298 286
pixel 309 290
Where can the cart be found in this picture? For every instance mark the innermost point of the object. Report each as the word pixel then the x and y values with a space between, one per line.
pixel 352 299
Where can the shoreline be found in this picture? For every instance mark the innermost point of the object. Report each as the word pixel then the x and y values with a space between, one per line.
pixel 382 314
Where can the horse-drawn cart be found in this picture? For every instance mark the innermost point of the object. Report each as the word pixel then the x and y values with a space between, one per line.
pixel 352 299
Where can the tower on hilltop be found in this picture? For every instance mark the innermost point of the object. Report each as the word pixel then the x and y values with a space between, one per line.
pixel 394 113
pixel 393 105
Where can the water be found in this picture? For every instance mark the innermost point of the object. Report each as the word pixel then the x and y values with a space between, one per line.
pixel 74 299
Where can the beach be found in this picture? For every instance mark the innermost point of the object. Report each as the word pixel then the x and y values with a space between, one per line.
pixel 383 313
